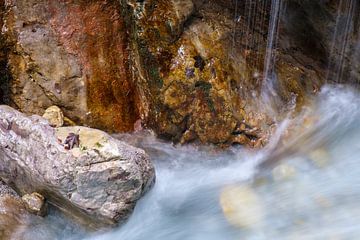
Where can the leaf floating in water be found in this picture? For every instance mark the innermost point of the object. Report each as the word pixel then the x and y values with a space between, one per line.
pixel 71 141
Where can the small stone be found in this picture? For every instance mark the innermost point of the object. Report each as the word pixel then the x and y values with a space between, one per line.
pixel 241 207
pixel 283 172
pixel 320 157
pixel 55 116
pixel 188 136
pixel 241 139
pixel 35 204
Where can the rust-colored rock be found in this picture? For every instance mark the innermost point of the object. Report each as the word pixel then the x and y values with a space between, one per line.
pixel 95 32
pixel 72 54
pixel 188 78
pixel 188 69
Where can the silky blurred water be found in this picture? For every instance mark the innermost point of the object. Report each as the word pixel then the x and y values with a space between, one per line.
pixel 311 189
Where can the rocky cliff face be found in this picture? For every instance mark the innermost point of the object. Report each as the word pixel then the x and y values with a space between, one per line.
pixel 190 69
pixel 3 59
pixel 326 32
pixel 73 54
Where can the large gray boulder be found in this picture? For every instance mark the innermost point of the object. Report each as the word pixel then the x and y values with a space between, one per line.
pixel 98 182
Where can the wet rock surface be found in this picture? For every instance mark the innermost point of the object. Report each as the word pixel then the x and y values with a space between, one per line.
pixel 35 203
pixel 190 70
pixel 13 216
pixel 98 183
pixel 195 81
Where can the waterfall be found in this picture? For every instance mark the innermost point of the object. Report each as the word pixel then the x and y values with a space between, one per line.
pixel 341 43
pixel 268 88
pixel 254 15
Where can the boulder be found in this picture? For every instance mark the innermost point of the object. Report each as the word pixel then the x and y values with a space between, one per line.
pixel 98 182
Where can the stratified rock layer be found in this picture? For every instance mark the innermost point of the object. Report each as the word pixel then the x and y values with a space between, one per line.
pixel 98 183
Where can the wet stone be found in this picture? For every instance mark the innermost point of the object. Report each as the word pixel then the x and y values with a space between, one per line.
pixel 55 116
pixel 35 203
pixel 241 207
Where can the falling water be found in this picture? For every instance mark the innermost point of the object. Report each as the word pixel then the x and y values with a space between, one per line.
pixel 254 15
pixel 341 46
pixel 268 88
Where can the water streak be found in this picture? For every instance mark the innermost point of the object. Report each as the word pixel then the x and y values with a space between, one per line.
pixel 341 46
pixel 268 91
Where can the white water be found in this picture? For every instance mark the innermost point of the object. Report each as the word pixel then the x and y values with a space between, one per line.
pixel 268 91
pixel 316 203
pixel 319 200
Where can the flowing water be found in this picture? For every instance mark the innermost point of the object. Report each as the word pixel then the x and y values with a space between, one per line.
pixel 345 42
pixel 304 185
pixel 268 88
pixel 312 193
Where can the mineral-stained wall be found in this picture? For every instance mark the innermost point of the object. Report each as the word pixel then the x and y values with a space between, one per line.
pixel 73 54
pixel 189 69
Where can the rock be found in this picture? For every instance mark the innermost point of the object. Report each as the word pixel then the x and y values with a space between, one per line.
pixel 324 22
pixel 320 157
pixel 35 204
pixel 72 54
pixel 283 172
pixel 6 190
pixel 241 207
pixel 55 116
pixel 68 122
pixel 191 84
pixel 241 139
pixel 14 218
pixel 206 81
pixel 4 76
pixel 189 70
pixel 98 183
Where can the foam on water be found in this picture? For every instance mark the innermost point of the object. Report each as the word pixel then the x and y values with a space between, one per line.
pixel 320 201
pixel 309 187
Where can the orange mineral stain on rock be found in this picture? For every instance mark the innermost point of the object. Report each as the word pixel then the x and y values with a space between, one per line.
pixel 95 32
